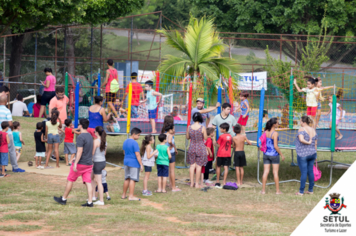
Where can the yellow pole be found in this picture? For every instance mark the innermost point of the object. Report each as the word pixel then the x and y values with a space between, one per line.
pixel 129 110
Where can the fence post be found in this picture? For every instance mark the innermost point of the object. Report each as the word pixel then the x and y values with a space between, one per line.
pixel 99 82
pixel 76 107
pixel 189 108
pixel 157 90
pixel 260 114
pixel 291 99
pixel 219 110
pixel 66 84
pixel 129 111
pixel 333 125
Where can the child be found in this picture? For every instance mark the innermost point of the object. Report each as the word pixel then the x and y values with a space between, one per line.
pixel 4 149
pixel 264 119
pixel 320 99
pixel 133 164
pixel 172 161
pixel 40 145
pixel 168 120
pixel 152 103
pixel 105 185
pixel 18 141
pixel 312 94
pixel 148 160
pixel 164 155
pixel 339 113
pixel 239 157
pixel 113 125
pixel 69 146
pixel 137 92
pixel 224 153
pixel 210 147
pixel 244 107
pixel 175 114
pixel 52 136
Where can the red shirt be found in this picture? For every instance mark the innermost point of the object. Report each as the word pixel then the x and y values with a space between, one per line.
pixel 69 135
pixel 136 91
pixel 209 144
pixel 3 148
pixel 225 142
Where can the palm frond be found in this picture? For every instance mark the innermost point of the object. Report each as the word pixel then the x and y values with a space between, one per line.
pixel 173 65
pixel 175 40
pixel 226 65
pixel 210 70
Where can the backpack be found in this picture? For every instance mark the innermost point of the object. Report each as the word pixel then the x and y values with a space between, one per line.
pixel 262 142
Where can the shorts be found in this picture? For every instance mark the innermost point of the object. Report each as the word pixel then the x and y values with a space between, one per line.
pixel 152 114
pixel 105 186
pixel 148 168
pixel 98 167
pixel 239 159
pixel 70 148
pixel 116 128
pixel 40 154
pixel 337 121
pixel 4 159
pixel 173 158
pixel 267 160
pixel 53 138
pixel 132 173
pixel 162 170
pixel 46 97
pixel 82 170
pixel 110 97
pixel 311 111
pixel 242 121
pixel 203 169
pixel 18 149
pixel 223 161
pixel 319 106
pixel 91 131
pixel 134 111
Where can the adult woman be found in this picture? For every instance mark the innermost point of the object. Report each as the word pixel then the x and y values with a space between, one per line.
pixel 99 151
pixel 197 154
pixel 111 74
pixel 97 115
pixel 306 145
pixel 37 106
pixel 271 156
pixel 49 90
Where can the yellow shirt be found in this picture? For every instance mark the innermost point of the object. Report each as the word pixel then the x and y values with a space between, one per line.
pixel 52 129
pixel 311 96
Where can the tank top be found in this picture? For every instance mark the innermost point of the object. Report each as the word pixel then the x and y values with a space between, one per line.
pixel 244 107
pixel 16 136
pixel 69 135
pixel 95 119
pixel 148 162
pixel 40 146
pixel 112 75
pixel 52 129
pixel 271 151
pixel 151 100
pixel 4 148
pixel 173 149
pixel 99 156
pixel 163 158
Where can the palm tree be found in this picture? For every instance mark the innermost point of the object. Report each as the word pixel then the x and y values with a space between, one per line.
pixel 201 48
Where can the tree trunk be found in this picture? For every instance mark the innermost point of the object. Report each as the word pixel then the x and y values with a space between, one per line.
pixel 70 53
pixel 15 57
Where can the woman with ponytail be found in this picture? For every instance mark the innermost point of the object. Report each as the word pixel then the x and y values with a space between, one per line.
pixel 52 136
pixel 272 154
pixel 305 146
pixel 148 160
pixel 99 151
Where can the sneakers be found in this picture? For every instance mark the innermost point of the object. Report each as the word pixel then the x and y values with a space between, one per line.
pixel 108 198
pixel 53 158
pixel 99 203
pixel 1 176
pixel 94 199
pixel 88 205
pixel 60 200
pixel 218 185
pixel 61 158
pixel 207 181
pixel 146 193
pixel 40 167
pixel 18 170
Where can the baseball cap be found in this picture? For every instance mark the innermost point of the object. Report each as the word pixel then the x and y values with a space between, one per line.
pixel 200 100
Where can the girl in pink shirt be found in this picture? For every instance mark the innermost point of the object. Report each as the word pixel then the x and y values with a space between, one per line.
pixel 49 90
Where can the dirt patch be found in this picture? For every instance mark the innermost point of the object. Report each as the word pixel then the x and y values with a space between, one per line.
pixel 99 214
pixel 217 215
pixel 158 206
pixel 44 231
pixel 94 229
pixel 176 220
pixel 15 223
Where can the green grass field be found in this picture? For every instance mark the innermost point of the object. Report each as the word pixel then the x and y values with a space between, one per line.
pixel 27 206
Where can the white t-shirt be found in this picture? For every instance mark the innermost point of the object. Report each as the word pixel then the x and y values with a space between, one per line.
pixel 338 112
pixel 311 96
pixel 18 108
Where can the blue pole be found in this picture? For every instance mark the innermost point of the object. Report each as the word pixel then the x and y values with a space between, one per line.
pixel 99 83
pixel 260 114
pixel 76 108
pixel 219 111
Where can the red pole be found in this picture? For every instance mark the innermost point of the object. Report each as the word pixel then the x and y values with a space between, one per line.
pixel 190 104
pixel 157 90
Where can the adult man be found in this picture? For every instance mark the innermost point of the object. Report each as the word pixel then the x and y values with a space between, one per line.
pixel 225 117
pixel 19 107
pixel 82 166
pixel 5 115
pixel 204 112
pixel 4 90
pixel 137 92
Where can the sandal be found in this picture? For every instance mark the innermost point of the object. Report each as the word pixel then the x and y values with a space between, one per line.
pixel 124 198
pixel 299 194
pixel 262 192
pixel 176 190
pixel 156 191
pixel 307 192
pixel 6 175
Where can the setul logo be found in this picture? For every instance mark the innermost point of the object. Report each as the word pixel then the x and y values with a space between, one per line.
pixel 335 205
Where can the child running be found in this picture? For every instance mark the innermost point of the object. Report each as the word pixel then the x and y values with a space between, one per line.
pixel 151 102
pixel 18 141
pixel 224 153
pixel 40 145
pixel 4 148
pixel 148 160
pixel 244 107
pixel 69 146
pixel 104 174
pixel 164 155
pixel 320 99
pixel 52 136
pixel 339 113
pixel 239 157
pixel 209 143
pixel 172 161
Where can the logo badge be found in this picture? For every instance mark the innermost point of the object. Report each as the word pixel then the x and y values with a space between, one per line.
pixel 335 204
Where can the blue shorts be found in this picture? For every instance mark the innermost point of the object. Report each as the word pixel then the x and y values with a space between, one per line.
pixel 53 138
pixel 105 186
pixel 162 170
pixel 4 159
pixel 134 111
pixel 148 168
pixel 319 106
pixel 173 159
pixel 152 114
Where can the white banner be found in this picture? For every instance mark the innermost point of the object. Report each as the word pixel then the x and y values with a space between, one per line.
pixel 143 76
pixel 252 81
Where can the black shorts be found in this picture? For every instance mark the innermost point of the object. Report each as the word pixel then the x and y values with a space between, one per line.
pixel 148 168
pixel 98 167
pixel 239 159
pixel 223 161
pixel 110 97
pixel 105 186
pixel 46 97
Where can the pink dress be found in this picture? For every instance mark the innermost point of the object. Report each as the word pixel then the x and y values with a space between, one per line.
pixel 176 118
pixel 197 149
pixel 52 83
pixel 112 75
pixel 36 110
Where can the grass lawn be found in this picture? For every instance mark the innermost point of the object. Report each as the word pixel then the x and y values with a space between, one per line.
pixel 27 205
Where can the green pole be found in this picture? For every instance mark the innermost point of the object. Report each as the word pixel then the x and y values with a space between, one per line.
pixel 205 93
pixel 333 125
pixel 291 100
pixel 66 84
